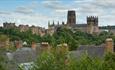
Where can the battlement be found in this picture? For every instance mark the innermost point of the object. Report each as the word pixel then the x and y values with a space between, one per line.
pixel 71 12
pixel 92 18
pixel 92 24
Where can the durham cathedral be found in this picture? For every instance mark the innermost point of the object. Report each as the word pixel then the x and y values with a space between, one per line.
pixel 90 27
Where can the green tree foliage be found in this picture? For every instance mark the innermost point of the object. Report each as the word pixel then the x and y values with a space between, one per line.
pixel 2 59
pixel 63 61
pixel 75 38
pixel 2 67
pixel 53 60
pixel 109 63
pixel 62 35
pixel 15 34
pixel 3 38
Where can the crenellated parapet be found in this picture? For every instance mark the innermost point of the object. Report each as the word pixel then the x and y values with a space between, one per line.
pixel 92 19
pixel 92 24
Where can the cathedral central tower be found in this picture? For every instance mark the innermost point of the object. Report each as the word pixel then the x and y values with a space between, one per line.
pixel 71 18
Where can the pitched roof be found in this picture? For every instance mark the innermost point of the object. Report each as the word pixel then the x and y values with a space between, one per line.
pixel 79 25
pixel 24 55
pixel 92 51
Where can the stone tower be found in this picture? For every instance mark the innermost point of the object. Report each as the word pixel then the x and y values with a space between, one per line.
pixel 71 18
pixel 92 24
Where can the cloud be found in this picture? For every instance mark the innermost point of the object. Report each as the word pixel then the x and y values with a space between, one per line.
pixel 24 15
pixel 54 5
pixel 57 6
pixel 105 3
pixel 24 10
pixel 4 13
pixel 31 19
pixel 40 12
pixel 27 9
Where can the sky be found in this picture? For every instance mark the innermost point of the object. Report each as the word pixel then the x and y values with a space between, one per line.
pixel 39 12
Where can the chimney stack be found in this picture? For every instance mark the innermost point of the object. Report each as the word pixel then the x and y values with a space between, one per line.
pixel 109 45
pixel 33 46
pixel 45 46
pixel 63 47
pixel 18 44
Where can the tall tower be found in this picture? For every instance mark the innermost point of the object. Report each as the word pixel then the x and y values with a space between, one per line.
pixel 71 18
pixel 92 24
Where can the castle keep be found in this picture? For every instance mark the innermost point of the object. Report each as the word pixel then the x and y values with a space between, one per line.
pixel 90 27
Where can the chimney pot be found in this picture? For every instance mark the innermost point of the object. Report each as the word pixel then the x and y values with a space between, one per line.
pixel 109 45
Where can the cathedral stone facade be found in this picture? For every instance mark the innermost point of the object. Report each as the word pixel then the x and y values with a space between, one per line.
pixel 92 24
pixel 90 27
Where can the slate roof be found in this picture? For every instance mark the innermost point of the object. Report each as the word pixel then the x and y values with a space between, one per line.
pixel 24 55
pixel 92 51
pixel 79 25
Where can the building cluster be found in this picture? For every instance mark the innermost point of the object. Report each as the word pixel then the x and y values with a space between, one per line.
pixel 23 28
pixel 90 27
pixel 25 56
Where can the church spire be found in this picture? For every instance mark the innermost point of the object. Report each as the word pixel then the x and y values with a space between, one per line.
pixel 48 23
pixel 53 22
pixel 58 22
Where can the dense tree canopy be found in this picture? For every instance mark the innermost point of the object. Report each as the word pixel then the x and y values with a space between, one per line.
pixel 15 34
pixel 62 35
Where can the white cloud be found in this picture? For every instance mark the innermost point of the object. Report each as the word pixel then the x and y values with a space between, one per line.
pixel 4 12
pixel 105 3
pixel 24 10
pixel 24 15
pixel 27 9
pixel 57 10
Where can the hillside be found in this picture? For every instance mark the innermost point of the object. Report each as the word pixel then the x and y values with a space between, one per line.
pixel 62 35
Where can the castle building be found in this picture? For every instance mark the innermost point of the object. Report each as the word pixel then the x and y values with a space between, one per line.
pixel 9 25
pixel 90 27
pixel 42 31
pixel 35 30
pixel 23 28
